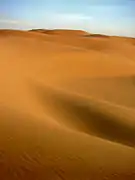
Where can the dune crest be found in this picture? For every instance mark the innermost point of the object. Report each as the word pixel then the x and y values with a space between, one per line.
pixel 64 32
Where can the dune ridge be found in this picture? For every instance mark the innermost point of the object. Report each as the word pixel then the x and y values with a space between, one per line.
pixel 67 106
pixel 65 32
pixel 91 116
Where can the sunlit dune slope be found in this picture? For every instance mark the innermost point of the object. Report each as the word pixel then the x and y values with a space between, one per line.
pixel 67 108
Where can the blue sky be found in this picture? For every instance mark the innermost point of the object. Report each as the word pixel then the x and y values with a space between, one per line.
pixel 113 17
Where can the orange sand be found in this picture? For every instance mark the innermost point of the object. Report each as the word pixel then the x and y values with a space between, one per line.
pixel 67 106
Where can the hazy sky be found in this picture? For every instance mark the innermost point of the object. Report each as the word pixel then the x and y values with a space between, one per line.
pixel 114 17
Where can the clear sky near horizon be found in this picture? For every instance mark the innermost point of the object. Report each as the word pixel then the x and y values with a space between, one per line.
pixel 113 17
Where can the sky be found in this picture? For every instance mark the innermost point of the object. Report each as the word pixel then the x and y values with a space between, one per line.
pixel 112 17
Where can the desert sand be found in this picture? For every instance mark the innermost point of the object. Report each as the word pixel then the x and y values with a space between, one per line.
pixel 67 106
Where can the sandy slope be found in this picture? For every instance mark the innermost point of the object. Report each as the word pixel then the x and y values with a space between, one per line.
pixel 67 106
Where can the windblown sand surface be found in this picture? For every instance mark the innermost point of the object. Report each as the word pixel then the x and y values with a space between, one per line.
pixel 67 106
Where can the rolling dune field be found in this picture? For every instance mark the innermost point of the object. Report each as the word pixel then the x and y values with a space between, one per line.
pixel 67 106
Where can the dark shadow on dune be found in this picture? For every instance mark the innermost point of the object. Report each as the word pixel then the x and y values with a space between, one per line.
pixel 95 117
pixel 117 90
pixel 133 80
pixel 97 36
pixel 60 32
pixel 43 31
pixel 99 123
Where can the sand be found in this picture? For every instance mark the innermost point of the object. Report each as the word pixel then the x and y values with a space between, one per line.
pixel 67 106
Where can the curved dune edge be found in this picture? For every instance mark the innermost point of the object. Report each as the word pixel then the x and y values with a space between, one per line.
pixel 88 115
pixel 123 95
pixel 53 125
pixel 34 150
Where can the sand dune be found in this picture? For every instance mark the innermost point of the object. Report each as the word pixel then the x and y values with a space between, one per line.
pixel 89 115
pixel 65 32
pixel 67 106
pixel 97 35
pixel 122 95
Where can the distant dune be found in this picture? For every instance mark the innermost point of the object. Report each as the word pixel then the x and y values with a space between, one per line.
pixel 97 35
pixel 65 32
pixel 67 106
